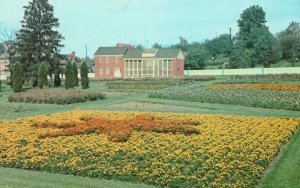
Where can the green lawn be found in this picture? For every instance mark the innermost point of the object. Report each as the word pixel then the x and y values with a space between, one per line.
pixel 284 172
pixel 15 178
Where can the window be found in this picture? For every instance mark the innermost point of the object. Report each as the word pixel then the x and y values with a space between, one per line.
pixel 117 60
pixel 101 71
pixel 107 70
pixel 107 59
pixel 100 59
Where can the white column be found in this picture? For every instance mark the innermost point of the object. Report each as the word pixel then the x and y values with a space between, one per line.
pixel 142 67
pixel 167 68
pixel 153 66
pixel 162 68
pixel 137 68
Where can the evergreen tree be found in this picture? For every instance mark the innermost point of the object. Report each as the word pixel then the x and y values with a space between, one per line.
pixel 42 78
pixel 37 41
pixel 17 77
pixel 69 76
pixel 75 72
pixel 84 71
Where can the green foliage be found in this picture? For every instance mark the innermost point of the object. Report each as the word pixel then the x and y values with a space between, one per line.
pixel 139 46
pixel 69 76
pixel 84 75
pixel 290 41
pixel 218 45
pixel 254 44
pixel 156 45
pixel 266 50
pixel 196 59
pixel 2 49
pixel 75 75
pixel 57 80
pixel 252 17
pixel 0 84
pixel 56 96
pixel 183 44
pixel 42 79
pixel 37 41
pixel 17 77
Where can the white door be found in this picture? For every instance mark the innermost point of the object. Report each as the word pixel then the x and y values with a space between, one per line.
pixel 117 72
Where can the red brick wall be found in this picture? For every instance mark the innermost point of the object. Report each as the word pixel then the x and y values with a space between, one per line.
pixel 178 68
pixel 111 65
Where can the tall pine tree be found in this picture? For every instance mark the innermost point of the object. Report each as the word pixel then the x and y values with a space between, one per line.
pixel 37 41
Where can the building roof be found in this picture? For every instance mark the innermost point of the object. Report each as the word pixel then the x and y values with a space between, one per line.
pixel 136 53
pixel 64 58
pixel 159 53
pixel 111 51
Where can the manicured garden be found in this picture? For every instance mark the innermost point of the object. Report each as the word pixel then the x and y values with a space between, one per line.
pixel 197 150
pixel 160 149
pixel 265 96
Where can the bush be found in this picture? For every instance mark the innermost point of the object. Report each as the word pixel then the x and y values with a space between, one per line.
pixel 17 77
pixel 42 78
pixel 84 71
pixel 56 96
pixel 75 75
pixel 69 76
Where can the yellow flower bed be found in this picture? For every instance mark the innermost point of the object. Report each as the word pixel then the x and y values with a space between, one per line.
pixel 295 87
pixel 229 151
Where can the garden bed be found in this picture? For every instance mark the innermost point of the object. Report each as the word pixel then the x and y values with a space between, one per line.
pixel 242 95
pixel 56 96
pixel 174 150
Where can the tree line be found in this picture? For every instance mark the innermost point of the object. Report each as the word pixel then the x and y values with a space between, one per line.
pixel 253 45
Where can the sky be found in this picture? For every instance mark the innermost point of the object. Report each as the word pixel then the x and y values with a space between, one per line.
pixel 98 23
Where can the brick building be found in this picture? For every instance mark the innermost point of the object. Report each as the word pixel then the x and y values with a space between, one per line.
pixel 124 62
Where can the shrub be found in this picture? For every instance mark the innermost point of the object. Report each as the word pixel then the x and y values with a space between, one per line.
pixel 84 75
pixel 56 96
pixel 17 77
pixel 69 83
pixel 42 78
pixel 75 75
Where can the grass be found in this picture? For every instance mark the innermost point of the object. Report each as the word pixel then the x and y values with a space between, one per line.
pixel 284 173
pixel 16 178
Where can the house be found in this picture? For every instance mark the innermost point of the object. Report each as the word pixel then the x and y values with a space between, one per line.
pixel 122 62
pixel 65 58
pixel 4 62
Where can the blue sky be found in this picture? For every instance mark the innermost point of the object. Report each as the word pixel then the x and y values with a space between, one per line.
pixel 107 22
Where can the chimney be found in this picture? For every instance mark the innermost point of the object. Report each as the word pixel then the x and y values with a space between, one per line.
pixel 73 54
